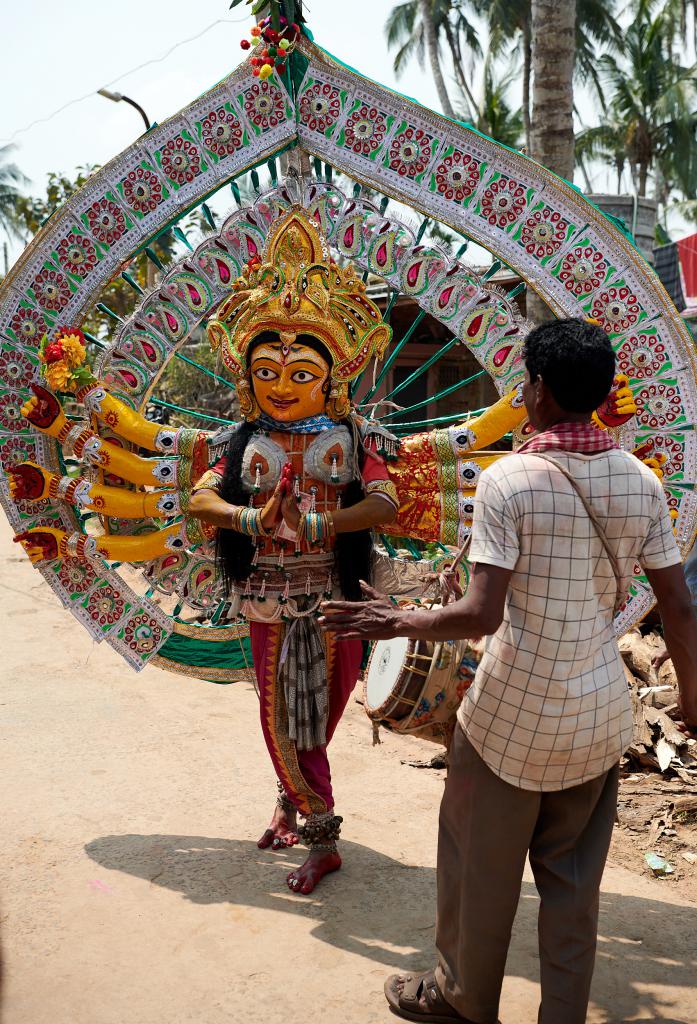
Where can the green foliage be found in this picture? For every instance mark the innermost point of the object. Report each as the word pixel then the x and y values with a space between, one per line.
pixel 11 179
pixel 651 101
pixel 187 386
pixel 495 116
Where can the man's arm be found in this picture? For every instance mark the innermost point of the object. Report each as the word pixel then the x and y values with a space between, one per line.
pixel 680 631
pixel 477 614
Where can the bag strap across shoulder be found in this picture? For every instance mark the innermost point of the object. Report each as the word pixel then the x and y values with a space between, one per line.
pixel 611 555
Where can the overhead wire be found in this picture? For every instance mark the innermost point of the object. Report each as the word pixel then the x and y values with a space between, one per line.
pixel 125 74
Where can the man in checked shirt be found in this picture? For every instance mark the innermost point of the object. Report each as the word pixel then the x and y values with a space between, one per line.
pixel 534 761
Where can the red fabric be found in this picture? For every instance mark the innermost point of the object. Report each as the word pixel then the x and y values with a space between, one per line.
pixel 374 468
pixel 687 250
pixel 345 665
pixel 584 438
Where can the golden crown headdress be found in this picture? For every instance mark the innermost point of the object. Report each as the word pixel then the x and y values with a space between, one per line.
pixel 296 288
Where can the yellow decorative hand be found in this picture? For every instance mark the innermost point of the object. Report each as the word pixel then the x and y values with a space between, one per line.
pixel 618 407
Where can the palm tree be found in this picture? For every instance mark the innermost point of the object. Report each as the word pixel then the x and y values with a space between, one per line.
pixel 553 52
pixel 495 117
pixel 415 28
pixel 651 102
pixel 510 21
pixel 11 179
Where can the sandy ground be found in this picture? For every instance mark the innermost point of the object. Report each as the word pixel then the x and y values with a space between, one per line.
pixel 133 892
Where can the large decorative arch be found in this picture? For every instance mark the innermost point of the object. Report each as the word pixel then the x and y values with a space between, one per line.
pixel 561 245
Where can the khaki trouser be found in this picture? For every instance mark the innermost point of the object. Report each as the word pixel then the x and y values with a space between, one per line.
pixel 487 827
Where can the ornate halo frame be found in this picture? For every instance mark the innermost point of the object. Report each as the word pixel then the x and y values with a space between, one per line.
pixel 562 246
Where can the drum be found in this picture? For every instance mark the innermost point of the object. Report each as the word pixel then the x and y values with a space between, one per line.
pixel 415 686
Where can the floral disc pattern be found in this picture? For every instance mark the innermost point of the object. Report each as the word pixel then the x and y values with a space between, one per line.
pixel 106 221
pixel 503 202
pixel 583 270
pixel 365 130
pixel 658 405
pixel 457 176
pixel 142 190
pixel 221 132
pixel 77 254
pixel 641 356
pixel 142 634
pixel 264 105
pixel 320 106
pixel 52 290
pixel 106 606
pixel 16 369
pixel 29 326
pixel 410 152
pixel 617 309
pixel 181 161
pixel 543 232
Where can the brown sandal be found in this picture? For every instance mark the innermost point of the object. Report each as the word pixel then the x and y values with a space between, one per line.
pixel 406 1004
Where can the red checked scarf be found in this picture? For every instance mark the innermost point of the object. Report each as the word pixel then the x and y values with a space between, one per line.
pixel 584 438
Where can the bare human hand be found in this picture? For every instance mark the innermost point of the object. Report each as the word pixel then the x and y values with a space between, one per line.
pixel 271 510
pixel 374 619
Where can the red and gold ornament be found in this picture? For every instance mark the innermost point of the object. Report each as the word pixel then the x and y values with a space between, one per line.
pixel 273 46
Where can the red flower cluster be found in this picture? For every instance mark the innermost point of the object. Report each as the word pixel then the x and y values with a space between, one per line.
pixel 53 352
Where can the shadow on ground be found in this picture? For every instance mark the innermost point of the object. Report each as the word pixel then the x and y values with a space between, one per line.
pixel 382 909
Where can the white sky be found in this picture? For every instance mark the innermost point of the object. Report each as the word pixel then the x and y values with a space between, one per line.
pixel 55 53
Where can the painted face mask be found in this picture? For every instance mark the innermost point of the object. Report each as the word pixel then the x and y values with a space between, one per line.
pixel 296 289
pixel 289 382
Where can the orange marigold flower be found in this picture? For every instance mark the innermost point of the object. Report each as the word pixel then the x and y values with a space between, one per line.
pixel 73 349
pixel 57 375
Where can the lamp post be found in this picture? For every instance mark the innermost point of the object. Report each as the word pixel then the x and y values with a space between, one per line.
pixel 117 97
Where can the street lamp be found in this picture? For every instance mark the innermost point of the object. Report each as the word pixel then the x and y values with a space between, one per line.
pixel 117 97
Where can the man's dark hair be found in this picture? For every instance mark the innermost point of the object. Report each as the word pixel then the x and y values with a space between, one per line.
pixel 575 360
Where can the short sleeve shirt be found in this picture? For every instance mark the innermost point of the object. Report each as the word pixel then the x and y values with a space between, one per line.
pixel 549 707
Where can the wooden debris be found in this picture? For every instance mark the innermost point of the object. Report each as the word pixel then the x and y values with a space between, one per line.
pixel 657 742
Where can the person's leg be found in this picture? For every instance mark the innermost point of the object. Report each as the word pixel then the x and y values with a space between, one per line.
pixel 567 855
pixel 485 828
pixel 343 660
pixel 343 665
pixel 296 793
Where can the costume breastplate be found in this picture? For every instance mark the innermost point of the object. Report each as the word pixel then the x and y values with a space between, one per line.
pixel 285 581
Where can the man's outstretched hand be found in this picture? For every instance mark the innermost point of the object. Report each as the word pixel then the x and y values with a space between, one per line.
pixel 373 619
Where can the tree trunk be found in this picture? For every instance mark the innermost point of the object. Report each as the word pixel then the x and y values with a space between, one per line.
pixel 426 12
pixel 553 46
pixel 460 72
pixel 553 31
pixel 527 67
pixel 643 176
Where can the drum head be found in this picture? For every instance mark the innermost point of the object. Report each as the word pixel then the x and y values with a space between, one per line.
pixel 386 663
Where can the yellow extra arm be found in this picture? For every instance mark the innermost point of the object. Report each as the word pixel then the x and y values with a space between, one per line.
pixel 44 543
pixel 126 422
pixel 31 482
pixel 501 418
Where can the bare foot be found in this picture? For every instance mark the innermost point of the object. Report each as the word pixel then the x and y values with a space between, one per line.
pixel 318 864
pixel 282 832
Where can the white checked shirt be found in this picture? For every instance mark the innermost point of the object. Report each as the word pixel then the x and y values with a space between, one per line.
pixel 549 707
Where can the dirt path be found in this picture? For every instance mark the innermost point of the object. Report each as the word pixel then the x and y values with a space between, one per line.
pixel 133 893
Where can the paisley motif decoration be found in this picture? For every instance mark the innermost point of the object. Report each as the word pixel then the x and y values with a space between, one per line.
pixel 417 272
pixel 189 290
